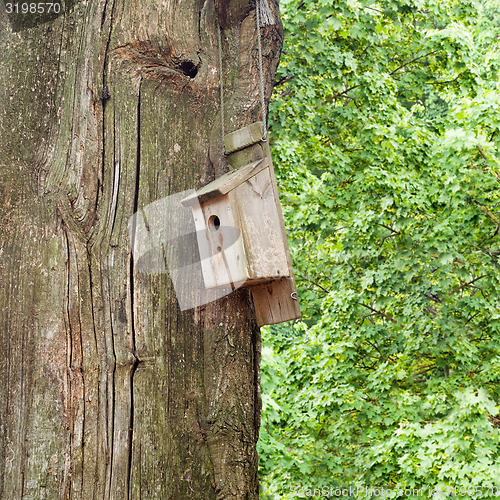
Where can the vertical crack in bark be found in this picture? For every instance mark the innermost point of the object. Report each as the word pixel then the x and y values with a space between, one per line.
pixel 116 185
pixel 105 81
pixel 97 350
pixel 115 180
pixel 66 486
pixel 91 293
pixel 75 426
pixel 134 352
pixel 199 19
pixel 103 18
pixel 82 377
pixel 113 402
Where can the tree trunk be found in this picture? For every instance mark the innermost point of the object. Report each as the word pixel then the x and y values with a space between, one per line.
pixel 108 389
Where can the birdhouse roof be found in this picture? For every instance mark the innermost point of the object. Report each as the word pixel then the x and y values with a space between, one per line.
pixel 225 183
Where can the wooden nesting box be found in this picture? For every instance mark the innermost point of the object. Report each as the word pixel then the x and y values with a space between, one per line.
pixel 240 230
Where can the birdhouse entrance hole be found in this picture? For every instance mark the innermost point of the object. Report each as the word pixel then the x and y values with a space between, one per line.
pixel 214 223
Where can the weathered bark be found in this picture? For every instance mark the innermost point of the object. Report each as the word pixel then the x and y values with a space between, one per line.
pixel 108 390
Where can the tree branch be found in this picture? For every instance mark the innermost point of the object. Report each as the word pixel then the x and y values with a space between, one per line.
pixel 380 313
pixel 284 80
pixel 389 228
pixel 313 282
pixel 336 96
pixel 469 283
pixel 412 61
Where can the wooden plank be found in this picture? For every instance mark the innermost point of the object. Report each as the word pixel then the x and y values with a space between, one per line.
pixel 274 302
pixel 225 183
pixel 244 137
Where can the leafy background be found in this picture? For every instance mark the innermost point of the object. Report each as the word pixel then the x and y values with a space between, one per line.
pixel 385 124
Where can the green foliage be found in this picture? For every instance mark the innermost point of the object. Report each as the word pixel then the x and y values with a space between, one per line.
pixel 385 124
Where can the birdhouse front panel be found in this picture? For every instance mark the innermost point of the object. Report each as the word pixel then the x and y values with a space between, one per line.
pixel 220 242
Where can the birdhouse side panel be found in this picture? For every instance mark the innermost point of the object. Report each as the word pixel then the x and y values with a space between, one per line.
pixel 263 242
pixel 220 242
